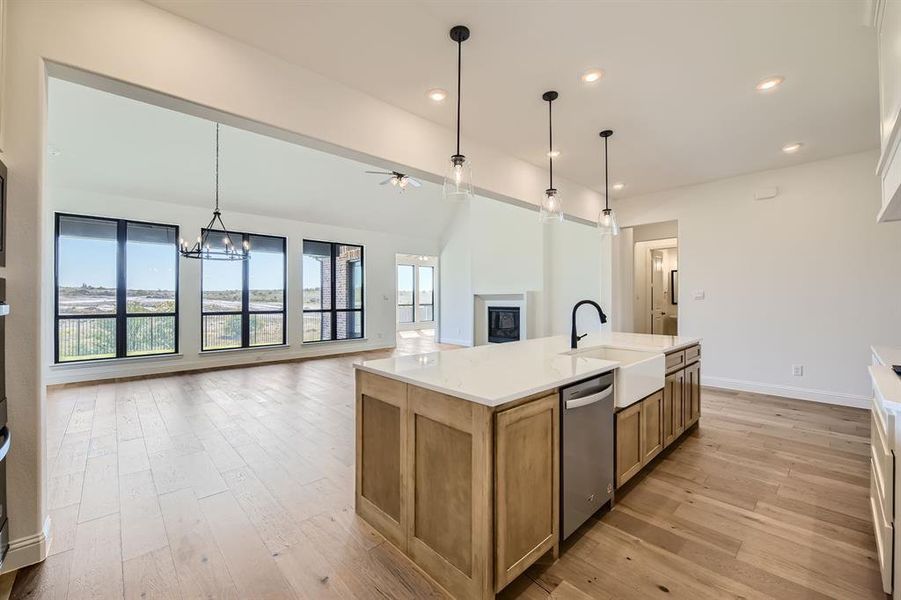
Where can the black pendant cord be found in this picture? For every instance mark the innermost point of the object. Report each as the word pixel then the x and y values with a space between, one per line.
pixel 606 172
pixel 550 142
pixel 606 135
pixel 459 77
pixel 217 168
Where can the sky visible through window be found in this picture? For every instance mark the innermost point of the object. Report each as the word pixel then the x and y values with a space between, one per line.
pixel 93 262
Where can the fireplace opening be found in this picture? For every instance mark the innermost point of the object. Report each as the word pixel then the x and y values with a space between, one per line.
pixel 503 324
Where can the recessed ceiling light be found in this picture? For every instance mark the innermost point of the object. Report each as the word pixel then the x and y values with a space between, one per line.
pixel 553 154
pixel 792 148
pixel 592 75
pixel 618 186
pixel 770 83
pixel 437 94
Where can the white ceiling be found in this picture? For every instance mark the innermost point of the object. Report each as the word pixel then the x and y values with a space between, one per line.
pixel 679 84
pixel 104 143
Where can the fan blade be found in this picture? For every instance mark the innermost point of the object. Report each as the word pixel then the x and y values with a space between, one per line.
pixel 413 182
pixel 387 181
pixel 379 172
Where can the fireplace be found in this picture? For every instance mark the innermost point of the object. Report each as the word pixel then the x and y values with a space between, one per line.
pixel 503 324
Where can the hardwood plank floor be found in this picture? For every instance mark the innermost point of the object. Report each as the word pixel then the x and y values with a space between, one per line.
pixel 239 484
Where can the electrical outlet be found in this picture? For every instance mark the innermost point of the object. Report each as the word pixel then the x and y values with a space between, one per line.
pixel 699 294
pixel 798 370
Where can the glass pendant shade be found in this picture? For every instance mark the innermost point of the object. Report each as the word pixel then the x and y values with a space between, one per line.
pixel 607 222
pixel 458 179
pixel 551 210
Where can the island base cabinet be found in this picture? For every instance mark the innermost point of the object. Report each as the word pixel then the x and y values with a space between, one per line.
pixel 628 443
pixel 691 390
pixel 449 491
pixel 469 493
pixel 380 435
pixel 526 484
pixel 646 428
pixel 651 427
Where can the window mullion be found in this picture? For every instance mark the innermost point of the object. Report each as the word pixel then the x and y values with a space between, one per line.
pixel 245 297
pixel 334 305
pixel 121 292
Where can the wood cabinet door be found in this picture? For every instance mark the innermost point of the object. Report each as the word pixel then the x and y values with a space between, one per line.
pixel 628 443
pixel 672 405
pixel 679 404
pixel 380 426
pixel 526 485
pixel 651 427
pixel 692 392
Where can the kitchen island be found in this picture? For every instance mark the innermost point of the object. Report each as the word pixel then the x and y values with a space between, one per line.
pixel 458 452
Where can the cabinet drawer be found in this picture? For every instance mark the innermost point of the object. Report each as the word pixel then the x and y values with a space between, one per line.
pixel 883 462
pixel 885 538
pixel 675 361
pixel 692 354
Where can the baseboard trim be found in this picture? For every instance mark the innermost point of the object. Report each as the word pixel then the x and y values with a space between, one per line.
pixel 28 550
pixel 456 342
pixel 212 362
pixel 787 391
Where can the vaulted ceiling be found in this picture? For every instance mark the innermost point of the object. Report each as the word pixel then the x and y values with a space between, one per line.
pixel 103 143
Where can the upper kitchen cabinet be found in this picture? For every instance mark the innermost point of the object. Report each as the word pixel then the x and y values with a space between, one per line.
pixel 887 20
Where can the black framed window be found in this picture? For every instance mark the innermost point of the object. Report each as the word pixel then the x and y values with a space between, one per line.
pixel 332 291
pixel 425 286
pixel 116 288
pixel 243 301
pixel 406 278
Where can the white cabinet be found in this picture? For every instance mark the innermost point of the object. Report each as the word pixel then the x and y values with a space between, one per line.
pixel 887 21
pixel 885 440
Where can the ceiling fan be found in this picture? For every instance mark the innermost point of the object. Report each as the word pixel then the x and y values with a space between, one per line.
pixel 398 180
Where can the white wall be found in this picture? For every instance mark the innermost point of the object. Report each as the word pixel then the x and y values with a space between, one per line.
pixel 133 42
pixel 380 251
pixel 575 271
pixel 507 248
pixel 456 319
pixel 805 278
pixel 492 248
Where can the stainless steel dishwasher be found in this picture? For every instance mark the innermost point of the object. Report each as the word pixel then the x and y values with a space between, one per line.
pixel 586 437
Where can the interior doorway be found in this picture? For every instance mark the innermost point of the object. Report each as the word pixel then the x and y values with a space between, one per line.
pixel 647 279
pixel 663 313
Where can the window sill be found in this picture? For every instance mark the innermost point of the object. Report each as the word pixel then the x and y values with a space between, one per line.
pixel 81 364
pixel 330 342
pixel 249 349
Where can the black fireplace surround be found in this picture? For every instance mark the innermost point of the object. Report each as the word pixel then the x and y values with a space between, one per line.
pixel 503 324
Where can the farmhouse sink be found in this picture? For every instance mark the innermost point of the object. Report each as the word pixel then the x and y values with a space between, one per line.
pixel 639 374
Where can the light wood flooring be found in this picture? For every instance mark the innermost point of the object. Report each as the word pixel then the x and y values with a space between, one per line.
pixel 239 484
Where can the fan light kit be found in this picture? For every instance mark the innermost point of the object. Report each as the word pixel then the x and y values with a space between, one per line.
pixel 397 179
pixel 207 247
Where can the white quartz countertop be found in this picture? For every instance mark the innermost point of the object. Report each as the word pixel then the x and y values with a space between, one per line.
pixel 499 373
pixel 887 355
pixel 886 382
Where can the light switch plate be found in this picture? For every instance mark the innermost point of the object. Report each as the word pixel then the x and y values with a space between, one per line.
pixel 798 370
pixel 699 295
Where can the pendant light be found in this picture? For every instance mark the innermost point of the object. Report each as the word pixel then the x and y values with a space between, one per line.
pixel 458 179
pixel 606 220
pixel 208 246
pixel 551 210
